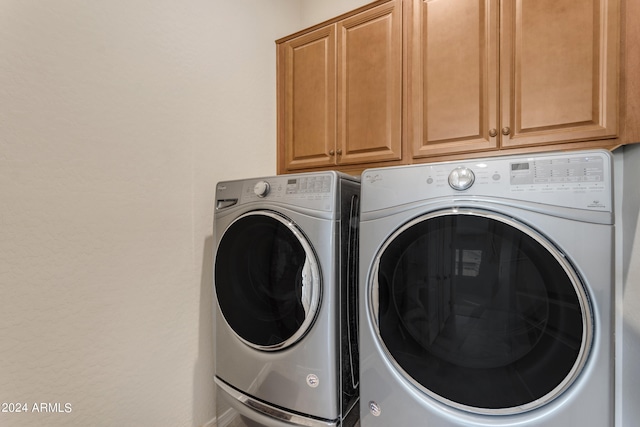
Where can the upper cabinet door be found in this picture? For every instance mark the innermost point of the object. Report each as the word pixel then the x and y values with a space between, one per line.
pixel 409 81
pixel 307 107
pixel 370 85
pixel 559 71
pixel 453 76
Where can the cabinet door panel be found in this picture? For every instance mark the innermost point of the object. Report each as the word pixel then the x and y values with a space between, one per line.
pixel 370 85
pixel 308 91
pixel 453 80
pixel 559 70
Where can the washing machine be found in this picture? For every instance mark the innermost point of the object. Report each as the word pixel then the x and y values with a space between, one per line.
pixel 285 281
pixel 487 291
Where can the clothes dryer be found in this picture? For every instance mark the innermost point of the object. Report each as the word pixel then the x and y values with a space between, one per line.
pixel 487 292
pixel 285 280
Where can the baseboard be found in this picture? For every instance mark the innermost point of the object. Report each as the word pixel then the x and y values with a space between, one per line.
pixel 226 417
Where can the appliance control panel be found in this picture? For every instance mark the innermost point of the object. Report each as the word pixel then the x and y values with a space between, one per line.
pixel 290 188
pixel 580 180
pixel 314 191
pixel 577 172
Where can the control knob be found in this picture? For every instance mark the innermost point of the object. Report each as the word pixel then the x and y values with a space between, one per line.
pixel 261 189
pixel 461 178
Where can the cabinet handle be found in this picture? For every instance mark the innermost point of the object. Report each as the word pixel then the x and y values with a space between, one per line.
pixel 506 130
pixel 493 132
pixel 339 152
pixel 331 152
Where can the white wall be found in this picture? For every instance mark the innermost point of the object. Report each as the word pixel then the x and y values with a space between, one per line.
pixel 316 11
pixel 629 234
pixel 116 119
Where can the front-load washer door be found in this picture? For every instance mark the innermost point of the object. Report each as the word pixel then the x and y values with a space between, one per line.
pixel 479 311
pixel 267 280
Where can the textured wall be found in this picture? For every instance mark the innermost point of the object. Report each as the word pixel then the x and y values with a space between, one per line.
pixel 116 120
pixel 316 11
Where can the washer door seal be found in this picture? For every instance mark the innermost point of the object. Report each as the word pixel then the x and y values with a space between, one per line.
pixel 267 280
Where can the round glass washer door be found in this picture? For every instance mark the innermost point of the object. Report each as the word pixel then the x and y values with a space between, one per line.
pixel 479 311
pixel 267 280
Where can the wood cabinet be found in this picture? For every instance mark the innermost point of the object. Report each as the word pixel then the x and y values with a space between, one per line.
pixel 559 71
pixel 453 80
pixel 340 91
pixel 410 81
pixel 490 74
pixel 307 93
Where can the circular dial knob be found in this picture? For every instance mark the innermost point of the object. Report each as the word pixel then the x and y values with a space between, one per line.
pixel 261 189
pixel 461 178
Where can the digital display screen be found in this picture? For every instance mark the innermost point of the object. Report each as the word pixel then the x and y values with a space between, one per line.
pixel 291 181
pixel 519 166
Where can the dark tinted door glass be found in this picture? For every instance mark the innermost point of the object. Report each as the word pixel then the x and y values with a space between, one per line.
pixel 478 312
pixel 261 280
